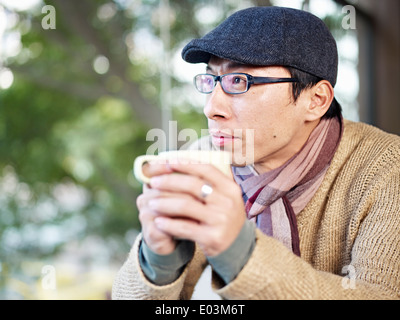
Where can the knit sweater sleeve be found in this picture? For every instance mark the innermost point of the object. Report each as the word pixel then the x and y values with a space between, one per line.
pixel 370 270
pixel 275 273
pixel 131 283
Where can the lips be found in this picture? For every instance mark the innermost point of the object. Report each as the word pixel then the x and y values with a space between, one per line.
pixel 221 138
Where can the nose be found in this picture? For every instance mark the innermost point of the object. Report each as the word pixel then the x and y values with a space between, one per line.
pixel 218 104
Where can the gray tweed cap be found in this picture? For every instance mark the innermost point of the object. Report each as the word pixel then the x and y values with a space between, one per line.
pixel 267 36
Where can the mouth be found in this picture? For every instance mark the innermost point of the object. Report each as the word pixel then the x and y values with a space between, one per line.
pixel 221 138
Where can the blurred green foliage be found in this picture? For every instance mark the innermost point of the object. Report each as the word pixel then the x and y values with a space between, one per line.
pixel 69 135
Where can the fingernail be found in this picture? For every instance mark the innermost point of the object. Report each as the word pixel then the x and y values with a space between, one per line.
pixel 155 181
pixel 152 204
pixel 160 222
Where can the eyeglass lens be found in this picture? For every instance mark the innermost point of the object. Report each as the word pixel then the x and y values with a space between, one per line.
pixel 231 83
pixel 204 83
pixel 234 83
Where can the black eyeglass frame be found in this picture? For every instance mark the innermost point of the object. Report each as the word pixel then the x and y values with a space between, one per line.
pixel 250 81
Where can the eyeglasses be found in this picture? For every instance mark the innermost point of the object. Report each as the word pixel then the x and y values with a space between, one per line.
pixel 233 83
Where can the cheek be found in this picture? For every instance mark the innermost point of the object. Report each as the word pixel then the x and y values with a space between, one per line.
pixel 275 123
pixel 268 111
pixel 272 113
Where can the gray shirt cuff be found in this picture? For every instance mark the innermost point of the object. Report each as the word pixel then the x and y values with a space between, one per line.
pixel 165 269
pixel 229 263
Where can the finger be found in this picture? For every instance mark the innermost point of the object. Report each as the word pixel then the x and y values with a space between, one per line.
pixel 154 168
pixel 184 207
pixel 189 230
pixel 146 218
pixel 143 199
pixel 179 228
pixel 159 241
pixel 146 196
pixel 180 183
pixel 206 172
pixel 192 178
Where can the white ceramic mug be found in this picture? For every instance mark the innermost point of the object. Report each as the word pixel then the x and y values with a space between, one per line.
pixel 220 159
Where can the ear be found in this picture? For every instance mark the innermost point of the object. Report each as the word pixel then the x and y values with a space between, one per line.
pixel 321 97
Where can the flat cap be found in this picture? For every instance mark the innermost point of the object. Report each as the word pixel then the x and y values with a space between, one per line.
pixel 267 36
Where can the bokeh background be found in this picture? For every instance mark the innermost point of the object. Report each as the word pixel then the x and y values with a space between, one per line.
pixel 77 103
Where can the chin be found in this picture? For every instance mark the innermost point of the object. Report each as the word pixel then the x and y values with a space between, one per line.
pixel 240 160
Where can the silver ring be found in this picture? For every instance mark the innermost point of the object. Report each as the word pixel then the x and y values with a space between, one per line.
pixel 206 190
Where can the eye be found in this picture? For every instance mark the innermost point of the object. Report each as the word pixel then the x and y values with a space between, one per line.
pixel 237 80
pixel 209 81
pixel 234 83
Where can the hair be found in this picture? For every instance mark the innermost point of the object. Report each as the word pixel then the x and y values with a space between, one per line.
pixel 307 81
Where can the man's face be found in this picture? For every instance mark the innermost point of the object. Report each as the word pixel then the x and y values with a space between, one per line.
pixel 267 110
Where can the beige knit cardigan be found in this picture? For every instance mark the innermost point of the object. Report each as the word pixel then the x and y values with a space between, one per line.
pixel 349 237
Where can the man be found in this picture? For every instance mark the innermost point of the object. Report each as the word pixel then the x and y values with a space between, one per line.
pixel 315 216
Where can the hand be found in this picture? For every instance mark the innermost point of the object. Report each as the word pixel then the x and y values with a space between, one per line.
pixel 157 240
pixel 180 211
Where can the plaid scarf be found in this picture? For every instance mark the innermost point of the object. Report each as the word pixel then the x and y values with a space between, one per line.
pixel 273 199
